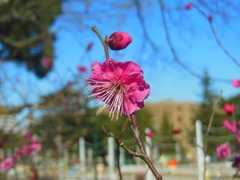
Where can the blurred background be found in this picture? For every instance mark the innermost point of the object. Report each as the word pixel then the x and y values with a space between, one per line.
pixel 188 50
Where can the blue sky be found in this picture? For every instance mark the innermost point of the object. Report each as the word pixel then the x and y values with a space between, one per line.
pixel 190 34
pixel 192 39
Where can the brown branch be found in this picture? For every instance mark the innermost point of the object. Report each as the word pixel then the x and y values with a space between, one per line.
pixel 207 133
pixel 141 19
pixel 118 145
pixel 220 44
pixel 173 51
pixel 105 45
pixel 143 154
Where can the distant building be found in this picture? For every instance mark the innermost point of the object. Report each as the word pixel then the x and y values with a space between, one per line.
pixel 180 116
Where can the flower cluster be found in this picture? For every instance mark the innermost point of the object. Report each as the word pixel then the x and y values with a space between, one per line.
pixel 232 126
pixel 32 146
pixel 119 85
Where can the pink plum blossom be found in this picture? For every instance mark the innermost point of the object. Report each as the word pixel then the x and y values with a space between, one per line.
pixel 119 40
pixel 176 131
pixel 81 69
pixel 89 46
pixel 7 164
pixel 47 63
pixel 229 108
pixel 188 6
pixel 229 126
pixel 149 134
pixel 236 83
pixel 23 151
pixel 35 146
pixel 210 18
pixel 223 151
pixel 120 85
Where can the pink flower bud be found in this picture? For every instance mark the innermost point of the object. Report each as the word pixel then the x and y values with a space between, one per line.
pixel 89 46
pixel 176 131
pixel 7 164
pixel 229 126
pixel 229 108
pixel 46 63
pixel 81 69
pixel 210 18
pixel 23 151
pixel 35 146
pixel 119 40
pixel 188 6
pixel 149 134
pixel 223 151
pixel 236 83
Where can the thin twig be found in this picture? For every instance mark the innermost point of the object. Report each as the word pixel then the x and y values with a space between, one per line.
pixel 173 51
pixel 207 133
pixel 141 19
pixel 144 156
pixel 105 45
pixel 118 146
pixel 220 44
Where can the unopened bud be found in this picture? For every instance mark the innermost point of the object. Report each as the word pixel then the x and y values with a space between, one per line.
pixel 188 6
pixel 210 18
pixel 119 40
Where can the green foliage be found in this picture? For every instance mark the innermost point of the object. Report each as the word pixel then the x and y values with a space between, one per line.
pixel 165 128
pixel 10 140
pixel 64 113
pixel 24 31
pixel 208 94
pixel 165 136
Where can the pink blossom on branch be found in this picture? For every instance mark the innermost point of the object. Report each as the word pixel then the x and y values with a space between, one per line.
pixel 47 63
pixel 7 164
pixel 35 146
pixel 120 85
pixel 23 151
pixel 236 83
pixel 210 18
pixel 119 40
pixel 188 6
pixel 229 108
pixel 229 126
pixel 223 151
pixel 89 46
pixel 81 69
pixel 149 134
pixel 176 131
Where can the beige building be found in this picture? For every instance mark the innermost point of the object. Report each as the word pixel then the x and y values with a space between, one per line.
pixel 180 116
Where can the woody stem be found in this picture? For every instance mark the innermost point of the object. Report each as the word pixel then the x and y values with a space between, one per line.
pixel 144 156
